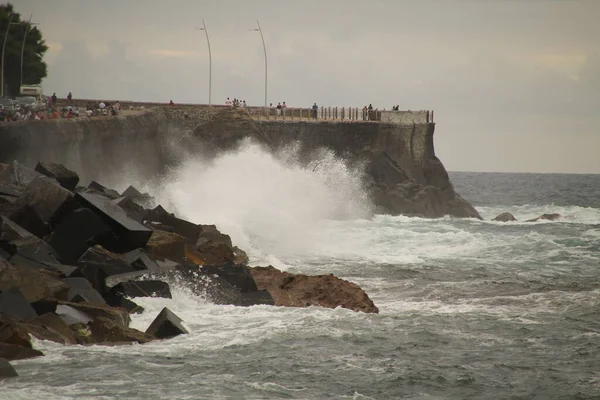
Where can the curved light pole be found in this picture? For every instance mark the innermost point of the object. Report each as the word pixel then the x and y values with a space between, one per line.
pixel 27 29
pixel 4 48
pixel 209 63
pixel 265 50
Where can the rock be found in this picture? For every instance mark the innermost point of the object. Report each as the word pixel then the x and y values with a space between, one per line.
pixel 166 325
pixel 295 290
pixel 65 177
pixel 105 330
pixel 34 285
pixel 25 216
pixel 140 260
pixel 240 256
pixel 10 230
pixel 18 174
pixel 505 217
pixel 72 316
pixel 42 307
pixel 258 297
pixel 38 254
pixel 97 264
pixel 119 315
pixel 546 217
pixel 166 245
pixel 12 332
pixel 188 230
pixel 14 304
pixel 122 302
pixel 78 231
pixel 104 191
pixel 130 234
pixel 7 370
pixel 131 208
pixel 81 290
pixel 149 288
pixel 10 192
pixel 214 247
pixel 51 327
pixel 50 201
pixel 237 275
pixel 11 352
pixel 142 199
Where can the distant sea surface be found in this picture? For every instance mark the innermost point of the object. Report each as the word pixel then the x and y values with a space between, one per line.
pixel 469 309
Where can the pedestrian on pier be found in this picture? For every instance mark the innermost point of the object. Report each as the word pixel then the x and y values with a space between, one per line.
pixel 314 110
pixel 228 102
pixel 54 99
pixel 69 97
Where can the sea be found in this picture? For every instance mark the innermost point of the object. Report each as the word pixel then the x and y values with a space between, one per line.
pixel 469 309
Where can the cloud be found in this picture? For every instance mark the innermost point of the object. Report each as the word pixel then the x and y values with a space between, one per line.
pixel 172 53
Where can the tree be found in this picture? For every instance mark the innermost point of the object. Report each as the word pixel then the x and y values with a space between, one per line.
pixel 34 68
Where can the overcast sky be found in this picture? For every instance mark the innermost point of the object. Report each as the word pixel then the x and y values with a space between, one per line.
pixel 515 84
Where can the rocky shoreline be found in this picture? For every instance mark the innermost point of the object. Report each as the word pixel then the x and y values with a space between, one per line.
pixel 72 259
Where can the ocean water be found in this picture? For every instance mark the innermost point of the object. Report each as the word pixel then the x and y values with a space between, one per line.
pixel 469 309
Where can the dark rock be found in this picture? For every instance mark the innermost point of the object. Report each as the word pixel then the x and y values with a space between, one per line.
pixel 25 216
pixel 11 352
pixel 188 230
pixel 132 192
pixel 142 199
pixel 119 315
pixel 33 284
pixel 295 290
pixel 149 288
pixel 120 301
pixel 50 201
pixel 104 191
pixel 10 230
pixel 166 245
pixel 97 264
pixel 65 177
pixel 166 325
pixel 8 190
pixel 31 248
pixel 131 208
pixel 238 275
pixel 546 217
pixel 7 370
pixel 140 260
pixel 42 307
pixel 12 332
pixel 51 327
pixel 505 217
pixel 130 234
pixel 259 297
pixel 78 231
pixel 105 330
pixel 240 256
pixel 214 247
pixel 72 316
pixel 14 304
pixel 81 290
pixel 18 174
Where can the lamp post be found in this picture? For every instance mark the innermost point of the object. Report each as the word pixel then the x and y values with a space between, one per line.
pixel 265 50
pixel 4 48
pixel 209 63
pixel 27 29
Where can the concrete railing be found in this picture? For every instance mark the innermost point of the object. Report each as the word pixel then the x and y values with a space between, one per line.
pixel 342 114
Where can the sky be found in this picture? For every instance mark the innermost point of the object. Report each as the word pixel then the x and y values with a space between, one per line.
pixel 514 84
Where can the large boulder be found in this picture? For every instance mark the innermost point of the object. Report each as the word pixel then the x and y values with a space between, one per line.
pixel 295 290
pixel 166 325
pixel 148 288
pixel 65 177
pixel 50 201
pixel 166 245
pixel 35 285
pixel 104 330
pixel 14 304
pixel 15 342
pixel 11 352
pixel 159 218
pixel 214 247
pixel 546 217
pixel 7 370
pixel 30 251
pixel 120 316
pixel 505 217
pixel 237 275
pixel 50 327
pixel 82 291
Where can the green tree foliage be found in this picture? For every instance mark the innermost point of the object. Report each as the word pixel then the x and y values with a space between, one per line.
pixel 34 68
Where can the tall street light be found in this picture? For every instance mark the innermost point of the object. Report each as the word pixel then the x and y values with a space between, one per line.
pixel 28 26
pixel 4 48
pixel 265 50
pixel 209 64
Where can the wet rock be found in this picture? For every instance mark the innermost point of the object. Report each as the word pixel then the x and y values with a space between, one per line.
pixel 11 332
pixel 240 256
pixel 295 290
pixel 7 370
pixel 64 176
pixel 131 208
pixel 130 234
pixel 237 275
pixel 10 192
pixel 259 297
pixel 72 316
pixel 34 285
pixel 171 223
pixel 105 330
pixel 140 260
pixel 119 315
pixel 142 199
pixel 104 191
pixel 10 230
pixel 78 231
pixel 42 307
pixel 25 216
pixel 14 304
pixel 149 288
pixel 18 174
pixel 505 217
pixel 166 325
pixel 166 245
pixel 214 247
pixel 51 327
pixel 50 201
pixel 546 217
pixel 97 264
pixel 30 251
pixel 11 352
pixel 122 302
pixel 81 290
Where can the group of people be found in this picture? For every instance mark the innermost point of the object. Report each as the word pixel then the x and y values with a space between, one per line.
pixel 236 103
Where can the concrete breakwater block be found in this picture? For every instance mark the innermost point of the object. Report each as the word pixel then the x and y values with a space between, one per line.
pixel 14 304
pixel 237 275
pixel 166 325
pixel 64 176
pixel 81 290
pixel 7 370
pixel 259 297
pixel 149 288
pixel 48 199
